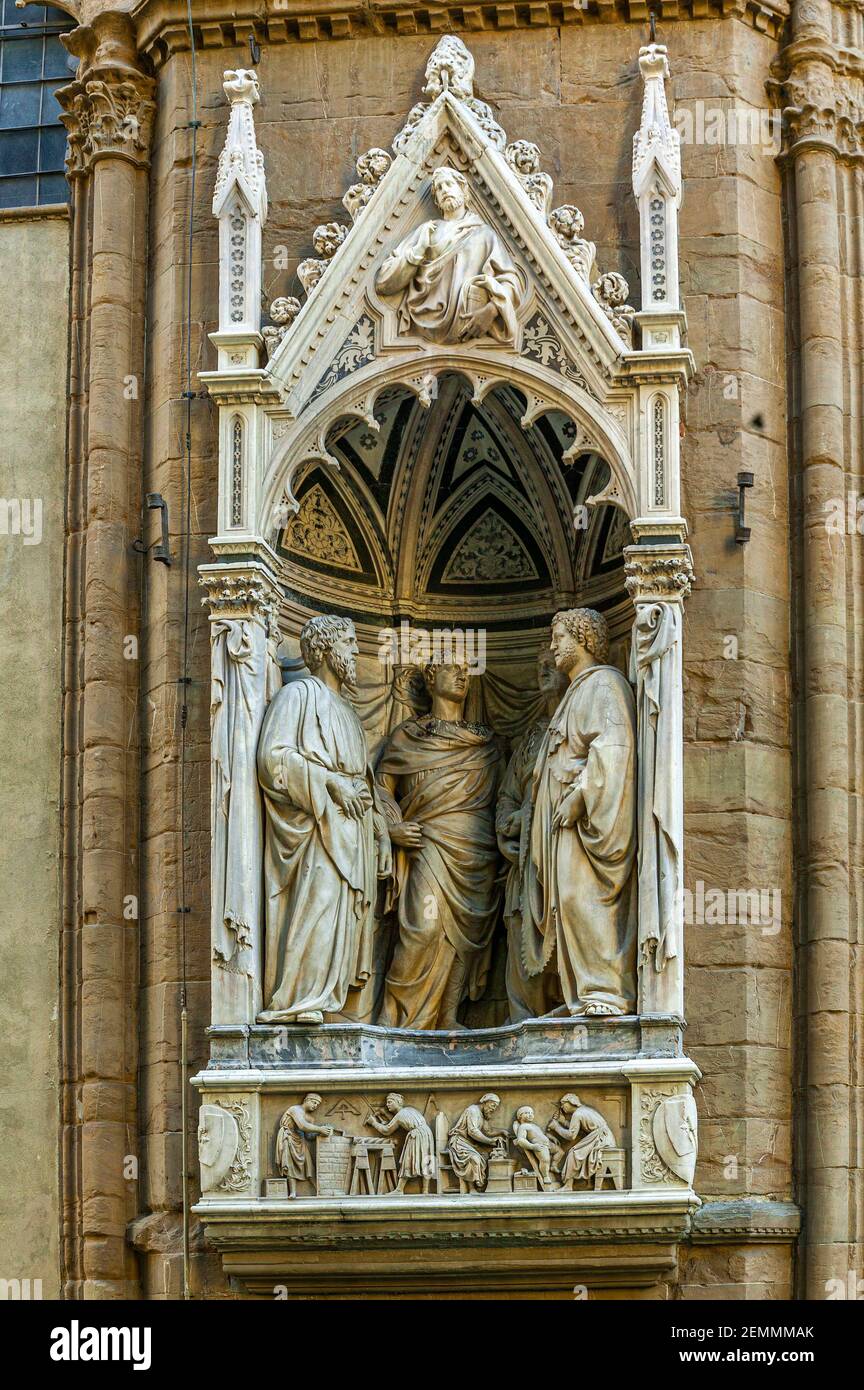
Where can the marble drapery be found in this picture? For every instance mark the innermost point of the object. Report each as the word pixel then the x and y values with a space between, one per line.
pixel 448 890
pixel 532 987
pixel 241 668
pixel 657 632
pixel 457 282
pixel 582 886
pixel 320 864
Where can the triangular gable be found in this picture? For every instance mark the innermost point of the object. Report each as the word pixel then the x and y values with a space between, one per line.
pixel 344 312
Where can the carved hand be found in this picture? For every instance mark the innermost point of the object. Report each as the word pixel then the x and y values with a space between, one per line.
pixel 352 797
pixel 407 833
pixel 385 856
pixel 571 808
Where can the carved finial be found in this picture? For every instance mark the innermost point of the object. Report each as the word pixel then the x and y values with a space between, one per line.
pixel 450 68
pixel 656 144
pixel 241 163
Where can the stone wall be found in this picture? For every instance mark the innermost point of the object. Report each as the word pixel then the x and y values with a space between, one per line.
pixel 34 289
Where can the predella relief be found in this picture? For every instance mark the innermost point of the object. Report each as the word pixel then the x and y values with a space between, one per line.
pixel 391 890
pixel 379 1149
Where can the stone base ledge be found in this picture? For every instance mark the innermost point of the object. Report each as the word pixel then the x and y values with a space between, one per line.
pixel 552 1245
pixel 746 1219
pixel 535 1042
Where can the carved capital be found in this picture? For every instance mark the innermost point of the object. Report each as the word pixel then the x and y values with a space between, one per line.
pixel 820 93
pixel 109 109
pixel 245 590
pixel 658 573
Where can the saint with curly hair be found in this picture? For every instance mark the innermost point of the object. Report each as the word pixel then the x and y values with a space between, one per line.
pixel 582 893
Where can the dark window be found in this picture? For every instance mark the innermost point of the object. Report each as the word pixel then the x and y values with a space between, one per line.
pixel 33 64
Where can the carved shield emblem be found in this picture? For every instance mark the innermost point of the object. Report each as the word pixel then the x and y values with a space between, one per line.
pixel 674 1130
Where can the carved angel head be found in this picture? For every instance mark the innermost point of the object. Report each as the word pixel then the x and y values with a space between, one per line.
pixel 373 165
pixel 523 156
pixel 328 238
pixel 611 289
pixel 284 310
pixel 567 222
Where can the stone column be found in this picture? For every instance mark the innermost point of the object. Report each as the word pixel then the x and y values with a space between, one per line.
pixel 108 114
pixel 245 675
pixel 814 115
pixel 658 579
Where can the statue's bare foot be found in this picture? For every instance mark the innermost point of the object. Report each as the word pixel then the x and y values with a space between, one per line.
pixel 602 1011
pixel 312 1016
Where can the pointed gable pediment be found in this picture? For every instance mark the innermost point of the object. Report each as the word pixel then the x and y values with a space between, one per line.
pixel 539 270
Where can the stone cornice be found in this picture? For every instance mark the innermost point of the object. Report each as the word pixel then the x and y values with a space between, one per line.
pixel 162 24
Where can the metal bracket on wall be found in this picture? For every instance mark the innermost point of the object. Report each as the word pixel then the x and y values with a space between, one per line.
pixel 742 532
pixel 155 501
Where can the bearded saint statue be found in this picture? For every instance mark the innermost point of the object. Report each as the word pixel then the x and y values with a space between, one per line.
pixel 322 829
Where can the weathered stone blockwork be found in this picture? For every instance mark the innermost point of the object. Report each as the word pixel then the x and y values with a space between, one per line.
pixel 763 264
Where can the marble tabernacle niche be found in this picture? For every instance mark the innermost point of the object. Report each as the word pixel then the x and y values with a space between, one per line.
pixel 446 897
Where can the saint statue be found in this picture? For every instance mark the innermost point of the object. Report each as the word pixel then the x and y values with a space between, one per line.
pixel 320 853
pixel 456 279
pixel 417 1159
pixel 532 987
pixel 582 895
pixel 438 778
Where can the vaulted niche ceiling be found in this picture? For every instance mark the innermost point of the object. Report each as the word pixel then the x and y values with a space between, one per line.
pixel 454 513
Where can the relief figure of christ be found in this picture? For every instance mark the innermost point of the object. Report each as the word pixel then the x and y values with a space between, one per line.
pixel 454 274
pixel 438 779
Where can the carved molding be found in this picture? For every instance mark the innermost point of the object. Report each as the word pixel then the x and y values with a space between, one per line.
pixel 163 26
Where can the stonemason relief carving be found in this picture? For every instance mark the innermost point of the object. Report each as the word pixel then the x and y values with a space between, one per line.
pixel 325 841
pixel 456 278
pixel 397 1149
pixel 293 1154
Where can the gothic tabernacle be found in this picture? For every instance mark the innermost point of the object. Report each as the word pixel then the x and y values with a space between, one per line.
pixel 446 964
